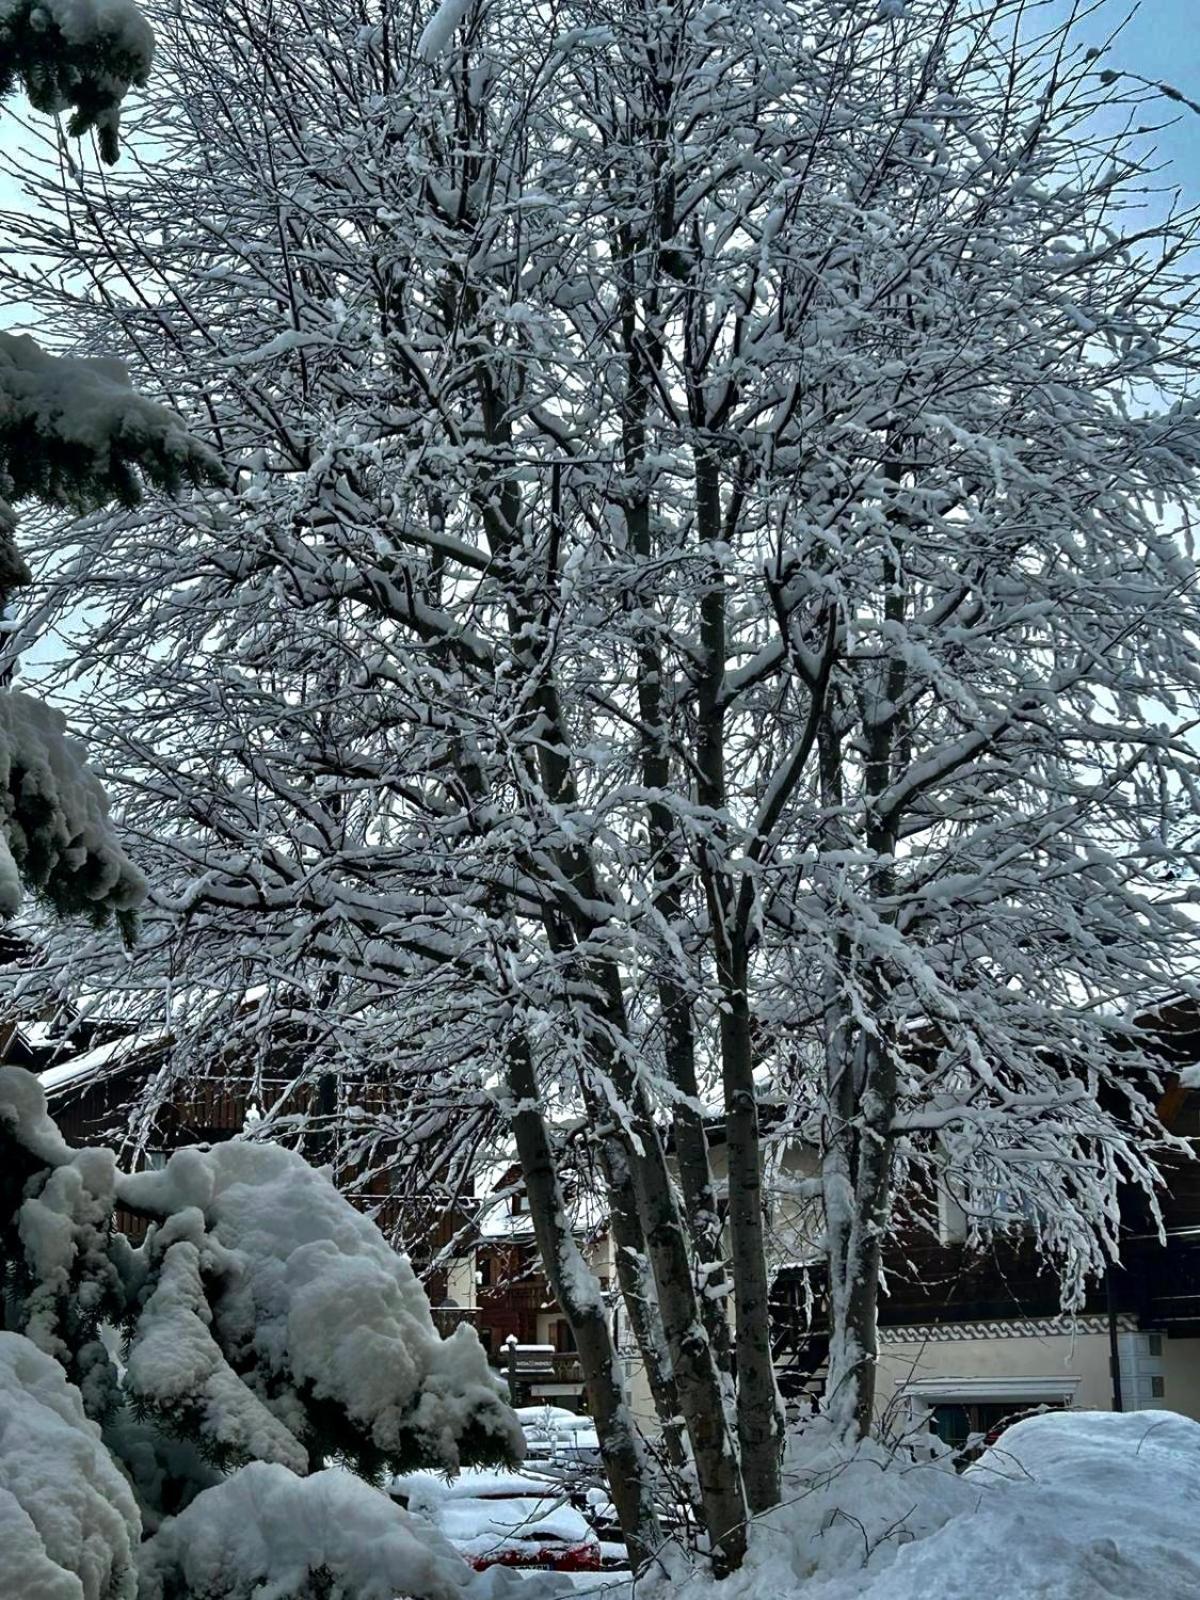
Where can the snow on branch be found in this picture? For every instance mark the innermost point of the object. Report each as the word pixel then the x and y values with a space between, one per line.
pixel 85 54
pixel 438 32
pixel 69 1526
pixel 55 833
pixel 75 433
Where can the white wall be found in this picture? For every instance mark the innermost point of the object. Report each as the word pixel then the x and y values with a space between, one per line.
pixel 1047 1356
pixel 460 1282
pixel 1181 1377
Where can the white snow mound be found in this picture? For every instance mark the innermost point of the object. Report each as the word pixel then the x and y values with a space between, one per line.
pixel 1065 1506
pixel 69 1527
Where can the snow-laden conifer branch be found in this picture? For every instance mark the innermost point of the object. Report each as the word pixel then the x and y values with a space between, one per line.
pixel 82 54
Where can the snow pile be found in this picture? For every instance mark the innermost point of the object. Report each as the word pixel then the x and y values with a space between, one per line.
pixel 308 1302
pixel 68 1523
pixel 1065 1506
pixel 55 834
pixel 841 1500
pixel 265 1532
pixel 82 53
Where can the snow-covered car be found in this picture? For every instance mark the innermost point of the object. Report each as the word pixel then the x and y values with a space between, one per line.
pixel 507 1519
pixel 559 1439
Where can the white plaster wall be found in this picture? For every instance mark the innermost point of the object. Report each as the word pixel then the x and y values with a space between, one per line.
pixel 1054 1355
pixel 1181 1377
pixel 460 1282
pixel 641 1402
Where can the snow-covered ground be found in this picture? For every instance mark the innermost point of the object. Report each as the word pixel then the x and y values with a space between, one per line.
pixel 1066 1506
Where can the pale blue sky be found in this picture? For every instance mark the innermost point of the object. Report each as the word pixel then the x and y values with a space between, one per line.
pixel 1162 42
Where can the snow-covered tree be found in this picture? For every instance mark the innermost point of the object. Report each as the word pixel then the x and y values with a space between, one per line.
pixel 263 1325
pixel 73 434
pixel 705 600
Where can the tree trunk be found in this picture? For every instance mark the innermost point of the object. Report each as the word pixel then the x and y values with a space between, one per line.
pixel 626 1463
pixel 856 1182
pixel 759 1411
pixel 697 1378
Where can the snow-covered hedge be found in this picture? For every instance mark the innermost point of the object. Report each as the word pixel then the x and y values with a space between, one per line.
pixel 262 1325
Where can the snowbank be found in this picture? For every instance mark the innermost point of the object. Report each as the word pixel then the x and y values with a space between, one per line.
pixel 68 1523
pixel 1065 1506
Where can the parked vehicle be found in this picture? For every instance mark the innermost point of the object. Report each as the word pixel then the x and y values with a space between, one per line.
pixel 505 1519
pixel 559 1439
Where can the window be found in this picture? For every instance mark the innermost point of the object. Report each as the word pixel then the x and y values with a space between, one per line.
pixel 1158 1387
pixel 564 1339
pixel 1154 1344
pixel 955 1423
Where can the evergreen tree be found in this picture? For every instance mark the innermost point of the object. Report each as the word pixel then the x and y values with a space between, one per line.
pixel 74 435
pixel 261 1321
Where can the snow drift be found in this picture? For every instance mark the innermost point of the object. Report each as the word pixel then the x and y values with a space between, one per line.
pixel 1065 1506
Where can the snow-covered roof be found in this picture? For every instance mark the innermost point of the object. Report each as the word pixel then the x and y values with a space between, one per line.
pixel 94 1062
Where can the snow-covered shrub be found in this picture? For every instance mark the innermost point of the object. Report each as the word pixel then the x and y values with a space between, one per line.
pixel 266 1531
pixel 263 1267
pixel 69 1525
pixel 267 1325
